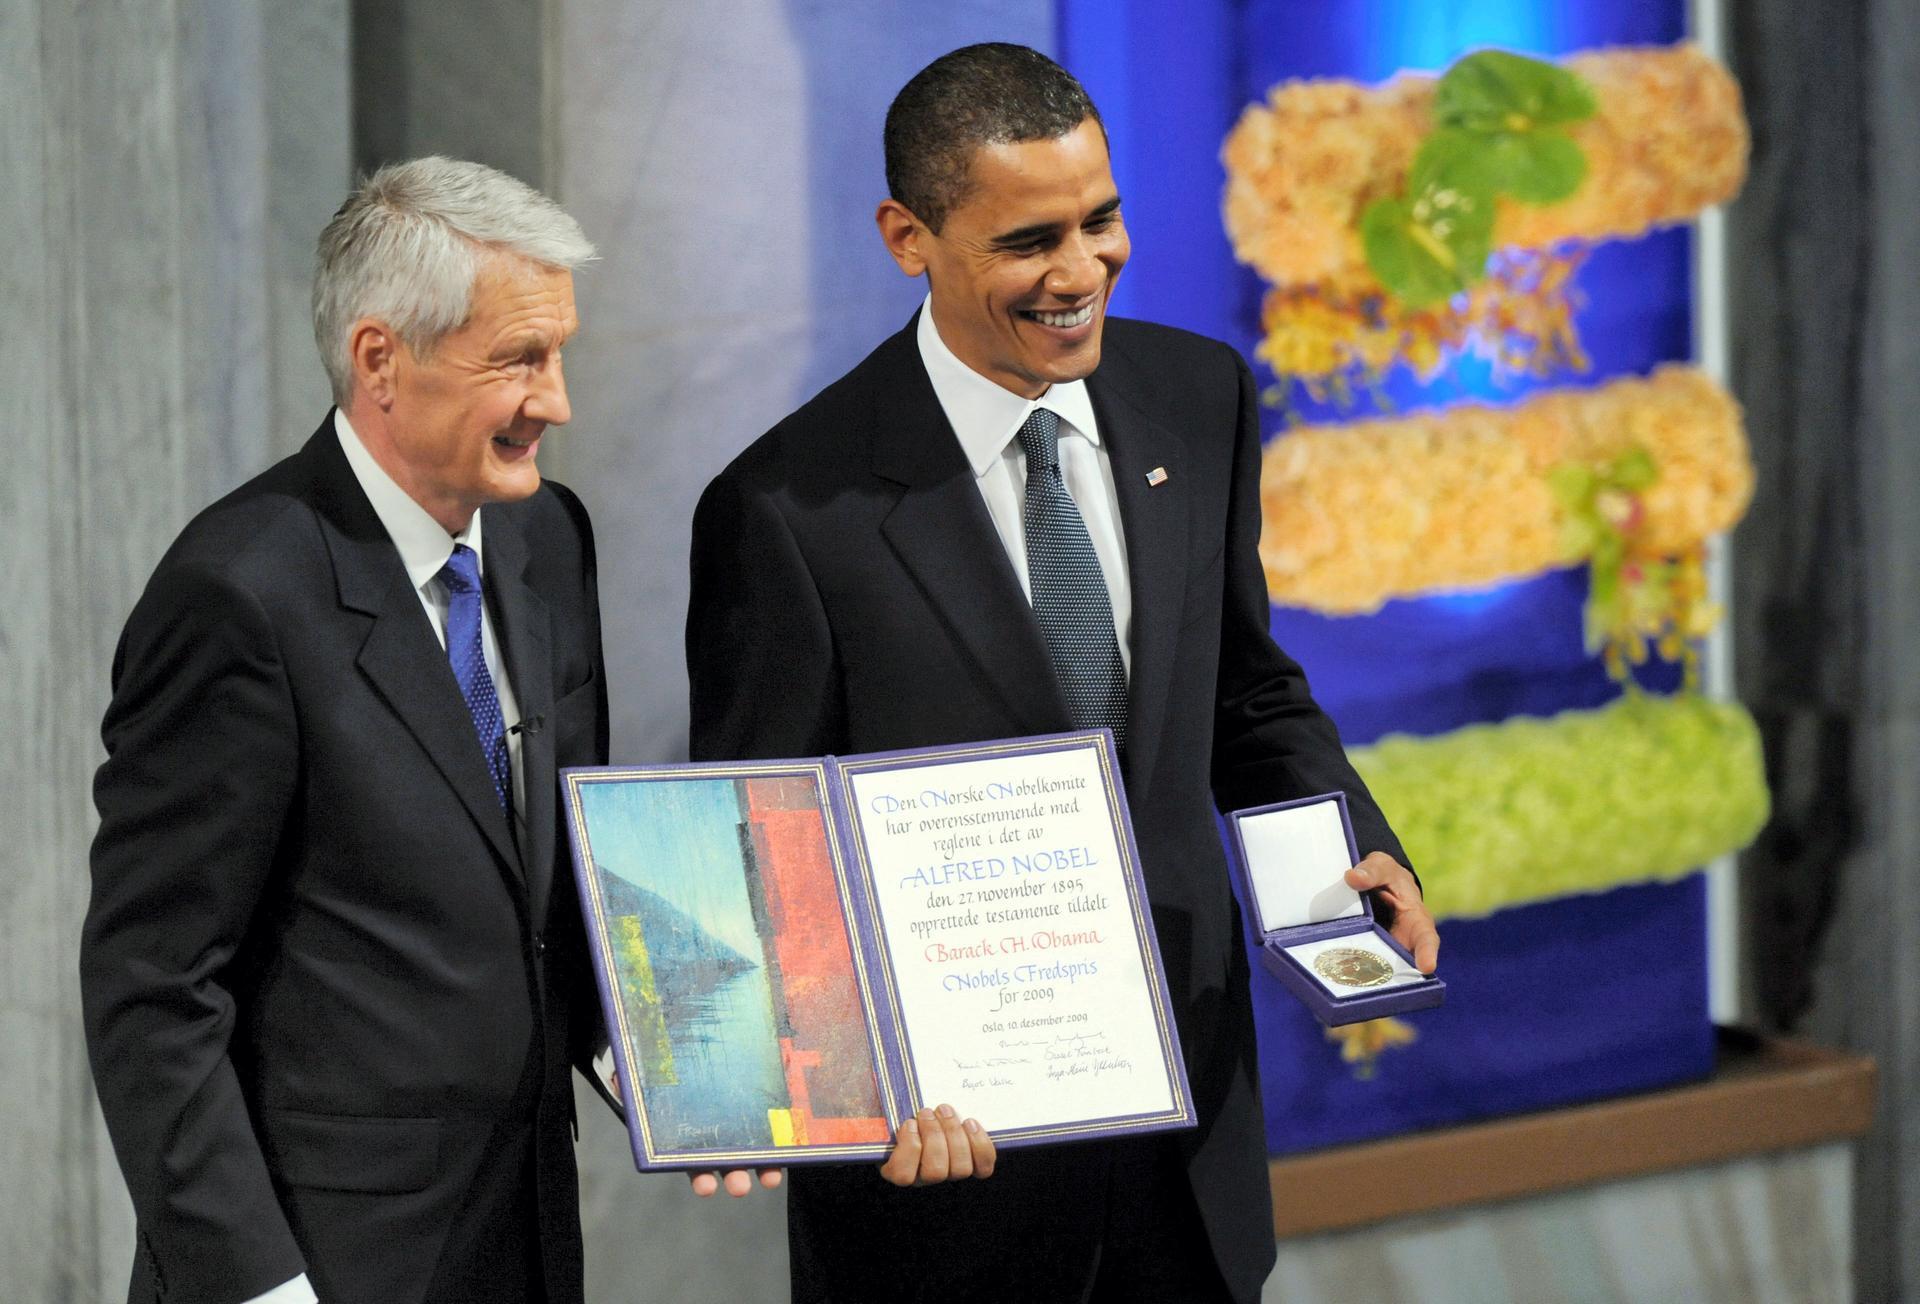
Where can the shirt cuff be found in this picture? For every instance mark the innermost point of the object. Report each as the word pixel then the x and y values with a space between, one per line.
pixel 297 1291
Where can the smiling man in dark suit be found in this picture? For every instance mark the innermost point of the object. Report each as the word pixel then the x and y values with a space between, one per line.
pixel 1015 517
pixel 333 968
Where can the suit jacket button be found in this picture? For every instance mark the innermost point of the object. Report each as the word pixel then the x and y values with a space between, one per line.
pixel 539 944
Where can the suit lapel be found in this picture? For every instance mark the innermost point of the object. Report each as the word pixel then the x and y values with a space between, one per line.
pixel 401 658
pixel 943 535
pixel 521 617
pixel 1154 519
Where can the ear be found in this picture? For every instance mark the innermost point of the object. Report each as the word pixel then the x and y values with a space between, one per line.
pixel 902 233
pixel 374 351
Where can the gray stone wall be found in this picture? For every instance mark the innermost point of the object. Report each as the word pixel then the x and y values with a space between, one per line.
pixel 467 80
pixel 158 204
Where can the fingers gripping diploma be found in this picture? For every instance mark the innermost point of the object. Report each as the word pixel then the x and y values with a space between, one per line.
pixel 738 1181
pixel 1408 919
pixel 934 1146
pixel 937 1146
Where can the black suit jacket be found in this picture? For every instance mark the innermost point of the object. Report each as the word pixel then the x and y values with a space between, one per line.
pixel 323 972
pixel 850 595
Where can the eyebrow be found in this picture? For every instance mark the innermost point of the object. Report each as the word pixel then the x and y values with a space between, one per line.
pixel 1026 234
pixel 516 344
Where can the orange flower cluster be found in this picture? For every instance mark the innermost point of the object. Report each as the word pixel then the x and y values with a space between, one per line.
pixel 1669 139
pixel 1455 498
pixel 1362 1044
pixel 1666 607
pixel 1520 317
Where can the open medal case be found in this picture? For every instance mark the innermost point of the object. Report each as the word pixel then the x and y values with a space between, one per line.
pixel 1319 935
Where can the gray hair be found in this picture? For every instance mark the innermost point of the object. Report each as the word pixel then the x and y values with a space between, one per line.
pixel 406 246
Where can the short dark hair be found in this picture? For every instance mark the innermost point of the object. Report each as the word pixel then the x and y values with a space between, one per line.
pixel 991 94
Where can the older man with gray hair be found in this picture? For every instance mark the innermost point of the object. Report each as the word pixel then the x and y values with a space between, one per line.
pixel 333 968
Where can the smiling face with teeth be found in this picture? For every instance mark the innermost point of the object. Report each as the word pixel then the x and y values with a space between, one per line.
pixel 1021 268
pixel 461 426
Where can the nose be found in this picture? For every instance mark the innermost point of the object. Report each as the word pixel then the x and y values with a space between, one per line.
pixel 547 395
pixel 1076 271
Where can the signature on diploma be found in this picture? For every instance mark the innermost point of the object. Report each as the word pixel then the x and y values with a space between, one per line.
pixel 990 1070
pixel 1078 1054
pixel 694 1136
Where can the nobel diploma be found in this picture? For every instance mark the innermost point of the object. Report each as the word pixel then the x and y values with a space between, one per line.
pixel 1013 923
pixel 795 955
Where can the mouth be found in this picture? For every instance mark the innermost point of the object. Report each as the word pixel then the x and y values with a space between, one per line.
pixel 516 448
pixel 1070 319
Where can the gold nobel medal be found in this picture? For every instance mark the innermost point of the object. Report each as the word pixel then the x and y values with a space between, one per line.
pixel 1352 966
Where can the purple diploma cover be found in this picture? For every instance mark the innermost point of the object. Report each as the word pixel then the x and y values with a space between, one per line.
pixel 794 956
pixel 1318 936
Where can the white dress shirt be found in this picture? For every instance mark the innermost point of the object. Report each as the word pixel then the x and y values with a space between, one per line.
pixel 424 548
pixel 985 417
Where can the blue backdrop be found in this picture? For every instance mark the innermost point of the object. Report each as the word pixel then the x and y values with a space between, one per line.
pixel 1569 999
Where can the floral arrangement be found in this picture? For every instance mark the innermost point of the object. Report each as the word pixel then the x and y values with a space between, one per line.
pixel 1667 139
pixel 1313 176
pixel 1497 815
pixel 1334 335
pixel 1362 1044
pixel 1404 226
pixel 1635 597
pixel 1635 473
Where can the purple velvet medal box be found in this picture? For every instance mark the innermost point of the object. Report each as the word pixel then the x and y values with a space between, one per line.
pixel 1319 936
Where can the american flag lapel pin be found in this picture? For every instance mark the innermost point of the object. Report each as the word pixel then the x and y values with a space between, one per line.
pixel 1156 477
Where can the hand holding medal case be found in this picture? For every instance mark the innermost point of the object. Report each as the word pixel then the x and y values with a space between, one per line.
pixel 1319 936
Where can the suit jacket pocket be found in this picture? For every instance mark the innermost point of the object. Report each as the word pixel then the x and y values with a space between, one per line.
pixel 344 1152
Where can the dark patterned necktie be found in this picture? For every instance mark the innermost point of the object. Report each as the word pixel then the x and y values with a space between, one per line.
pixel 461 575
pixel 1069 594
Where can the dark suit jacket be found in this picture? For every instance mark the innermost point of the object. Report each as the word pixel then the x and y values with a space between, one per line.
pixel 323 973
pixel 850 595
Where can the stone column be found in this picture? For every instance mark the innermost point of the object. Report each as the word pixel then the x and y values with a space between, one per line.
pixel 166 164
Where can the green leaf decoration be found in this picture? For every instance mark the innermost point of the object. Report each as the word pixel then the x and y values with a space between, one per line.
pixel 1417 267
pixel 1578 536
pixel 1608 553
pixel 1494 90
pixel 1535 167
pixel 1634 470
pixel 1572 484
pixel 1427 248
pixel 1457 160
pixel 1605 587
pixel 1498 119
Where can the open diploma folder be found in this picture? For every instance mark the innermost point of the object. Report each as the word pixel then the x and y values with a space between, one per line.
pixel 794 956
pixel 1318 936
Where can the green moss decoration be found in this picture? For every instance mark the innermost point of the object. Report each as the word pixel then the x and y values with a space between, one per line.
pixel 1648 788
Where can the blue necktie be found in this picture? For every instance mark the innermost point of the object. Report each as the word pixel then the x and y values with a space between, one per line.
pixel 461 575
pixel 1069 594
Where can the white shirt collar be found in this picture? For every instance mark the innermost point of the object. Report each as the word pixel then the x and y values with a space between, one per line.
pixel 985 416
pixel 423 542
